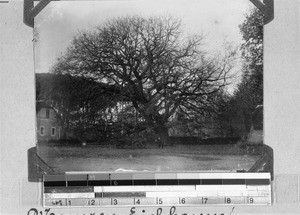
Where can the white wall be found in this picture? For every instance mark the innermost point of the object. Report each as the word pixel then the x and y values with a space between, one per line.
pixel 17 108
pixel 282 86
pixel 282 98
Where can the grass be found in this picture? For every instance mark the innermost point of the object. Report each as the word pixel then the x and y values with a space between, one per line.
pixel 171 158
pixel 96 151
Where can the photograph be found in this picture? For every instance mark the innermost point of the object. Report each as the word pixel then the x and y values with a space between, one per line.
pixel 177 107
pixel 140 85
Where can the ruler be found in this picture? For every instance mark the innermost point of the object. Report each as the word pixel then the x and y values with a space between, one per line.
pixel 139 188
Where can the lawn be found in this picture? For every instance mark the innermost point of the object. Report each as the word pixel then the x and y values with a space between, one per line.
pixel 172 158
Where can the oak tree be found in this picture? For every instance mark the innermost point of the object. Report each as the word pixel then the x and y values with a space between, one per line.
pixel 158 69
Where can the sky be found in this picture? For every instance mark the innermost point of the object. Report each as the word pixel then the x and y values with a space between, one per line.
pixel 56 24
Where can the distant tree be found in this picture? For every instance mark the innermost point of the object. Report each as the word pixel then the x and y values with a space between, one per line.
pixel 235 111
pixel 158 70
pixel 252 48
pixel 252 52
pixel 250 90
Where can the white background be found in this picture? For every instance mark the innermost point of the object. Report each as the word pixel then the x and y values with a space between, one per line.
pixel 282 115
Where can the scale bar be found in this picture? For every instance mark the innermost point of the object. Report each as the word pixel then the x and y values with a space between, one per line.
pixel 113 189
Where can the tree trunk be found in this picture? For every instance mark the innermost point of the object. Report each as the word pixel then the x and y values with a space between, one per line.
pixel 163 134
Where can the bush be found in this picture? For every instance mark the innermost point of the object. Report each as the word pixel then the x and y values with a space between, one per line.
pixel 206 141
pixel 64 142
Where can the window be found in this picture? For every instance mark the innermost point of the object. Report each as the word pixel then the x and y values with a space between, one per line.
pixel 47 113
pixel 42 130
pixel 53 131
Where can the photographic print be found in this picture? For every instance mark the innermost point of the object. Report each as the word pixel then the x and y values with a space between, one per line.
pixel 146 85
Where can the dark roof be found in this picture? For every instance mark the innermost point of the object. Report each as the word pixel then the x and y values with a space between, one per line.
pixel 41 104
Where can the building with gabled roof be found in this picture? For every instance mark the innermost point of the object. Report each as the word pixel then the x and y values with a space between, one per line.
pixel 47 125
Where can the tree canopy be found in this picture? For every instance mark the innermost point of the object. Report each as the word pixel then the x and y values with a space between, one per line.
pixel 158 69
pixel 236 111
pixel 252 52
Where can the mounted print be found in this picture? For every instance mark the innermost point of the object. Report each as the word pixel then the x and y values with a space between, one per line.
pixel 149 86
